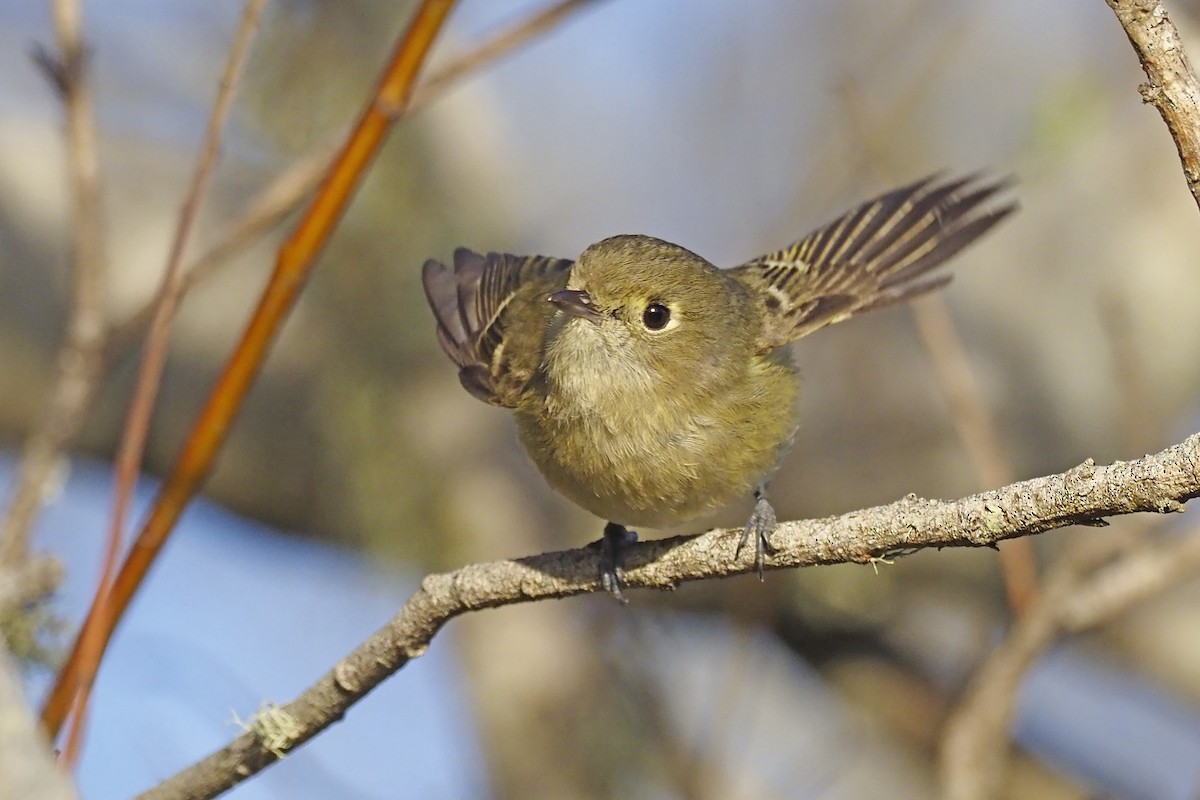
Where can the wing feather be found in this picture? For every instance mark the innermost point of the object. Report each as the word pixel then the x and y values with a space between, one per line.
pixel 875 255
pixel 471 303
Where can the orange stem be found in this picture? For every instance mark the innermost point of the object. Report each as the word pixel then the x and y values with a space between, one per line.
pixel 292 267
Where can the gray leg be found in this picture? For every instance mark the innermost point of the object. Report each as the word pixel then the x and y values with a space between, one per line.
pixel 760 525
pixel 612 558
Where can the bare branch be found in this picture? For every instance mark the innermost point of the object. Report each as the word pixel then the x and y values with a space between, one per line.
pixel 975 742
pixel 291 187
pixel 1083 495
pixel 137 422
pixel 977 430
pixel 1086 589
pixel 294 262
pixel 975 745
pixel 493 50
pixel 79 359
pixel 1171 85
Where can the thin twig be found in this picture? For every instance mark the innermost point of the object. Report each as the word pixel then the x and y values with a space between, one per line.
pixel 491 51
pixel 1084 590
pixel 977 430
pixel 79 359
pixel 295 261
pixel 1160 482
pixel 969 409
pixel 974 749
pixel 137 423
pixel 297 182
pixel 280 197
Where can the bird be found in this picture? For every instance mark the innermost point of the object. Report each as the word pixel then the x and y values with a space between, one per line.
pixel 650 386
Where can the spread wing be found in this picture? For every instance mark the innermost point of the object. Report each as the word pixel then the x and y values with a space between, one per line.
pixel 875 255
pixel 472 304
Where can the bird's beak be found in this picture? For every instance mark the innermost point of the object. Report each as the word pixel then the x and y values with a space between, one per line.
pixel 575 302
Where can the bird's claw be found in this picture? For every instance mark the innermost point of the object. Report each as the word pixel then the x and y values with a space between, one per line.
pixel 617 538
pixel 760 525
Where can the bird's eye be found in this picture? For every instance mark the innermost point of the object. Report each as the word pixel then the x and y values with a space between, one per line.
pixel 656 316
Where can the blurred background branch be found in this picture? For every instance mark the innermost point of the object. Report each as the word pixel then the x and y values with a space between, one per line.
pixel 294 262
pixel 79 359
pixel 1095 582
pixel 285 193
pixel 92 639
pixel 1087 588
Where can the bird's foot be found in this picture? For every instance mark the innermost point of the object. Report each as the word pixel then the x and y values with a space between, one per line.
pixel 760 526
pixel 617 539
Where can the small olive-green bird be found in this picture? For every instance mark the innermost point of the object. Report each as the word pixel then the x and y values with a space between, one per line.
pixel 650 386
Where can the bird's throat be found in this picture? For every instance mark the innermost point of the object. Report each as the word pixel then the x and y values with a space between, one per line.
pixel 590 373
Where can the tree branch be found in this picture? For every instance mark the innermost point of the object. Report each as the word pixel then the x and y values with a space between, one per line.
pixel 1082 591
pixel 285 193
pixel 77 372
pixel 294 262
pixel 150 371
pixel 1084 495
pixel 1171 86
pixel 1086 589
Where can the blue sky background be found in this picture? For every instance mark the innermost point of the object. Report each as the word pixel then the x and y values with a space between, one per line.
pixel 237 615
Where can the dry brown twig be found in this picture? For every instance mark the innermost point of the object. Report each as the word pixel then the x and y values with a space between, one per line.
pixel 79 359
pixel 273 205
pixel 969 409
pixel 1083 495
pixel 84 356
pixel 289 189
pixel 294 262
pixel 96 346
pixel 987 518
pixel 1086 588
pixel 149 378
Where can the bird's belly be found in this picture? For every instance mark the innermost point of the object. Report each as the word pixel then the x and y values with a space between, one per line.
pixel 653 467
